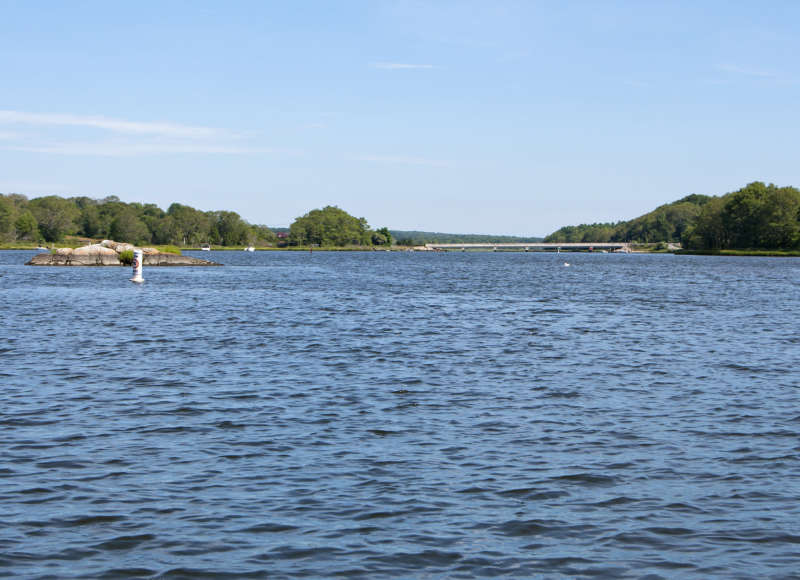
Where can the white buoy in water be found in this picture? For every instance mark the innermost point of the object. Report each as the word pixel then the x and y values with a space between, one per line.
pixel 566 264
pixel 138 257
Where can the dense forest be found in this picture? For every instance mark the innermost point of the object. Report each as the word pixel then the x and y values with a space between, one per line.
pixel 666 223
pixel 756 217
pixel 49 219
pixel 331 226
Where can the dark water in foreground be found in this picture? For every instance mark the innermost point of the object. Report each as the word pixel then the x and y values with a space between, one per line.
pixel 406 415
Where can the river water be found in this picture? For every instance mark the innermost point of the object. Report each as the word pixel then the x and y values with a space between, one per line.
pixel 411 415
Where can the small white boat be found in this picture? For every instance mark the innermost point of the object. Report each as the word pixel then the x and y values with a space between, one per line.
pixel 249 249
pixel 205 248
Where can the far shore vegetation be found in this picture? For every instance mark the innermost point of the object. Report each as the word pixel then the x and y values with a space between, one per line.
pixel 758 219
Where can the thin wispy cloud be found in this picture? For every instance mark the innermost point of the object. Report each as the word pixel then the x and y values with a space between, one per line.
pixel 400 159
pixel 745 71
pixel 513 56
pixel 400 65
pixel 108 124
pixel 66 134
pixel 637 83
pixel 102 149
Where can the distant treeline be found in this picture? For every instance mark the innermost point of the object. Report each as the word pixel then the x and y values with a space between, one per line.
pixel 758 216
pixel 667 223
pixel 415 238
pixel 48 219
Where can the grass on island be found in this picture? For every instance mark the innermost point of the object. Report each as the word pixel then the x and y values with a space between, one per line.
pixel 126 257
pixel 763 253
pixel 168 249
pixel 18 246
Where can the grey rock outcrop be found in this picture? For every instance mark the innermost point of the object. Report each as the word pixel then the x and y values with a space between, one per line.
pixel 107 253
pixel 174 260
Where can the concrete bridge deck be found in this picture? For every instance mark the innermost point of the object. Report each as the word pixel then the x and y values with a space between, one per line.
pixel 527 246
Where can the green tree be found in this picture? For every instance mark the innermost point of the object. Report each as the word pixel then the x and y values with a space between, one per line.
pixel 583 233
pixel 709 231
pixel 127 227
pixel 762 216
pixel 329 226
pixel 56 216
pixel 163 230
pixel 382 237
pixel 229 228
pixel 741 214
pixel 666 223
pixel 26 226
pixel 108 209
pixel 8 215
pixel 90 222
pixel 778 218
pixel 261 235
pixel 190 226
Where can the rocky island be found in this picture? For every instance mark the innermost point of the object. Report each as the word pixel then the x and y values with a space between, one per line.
pixel 111 253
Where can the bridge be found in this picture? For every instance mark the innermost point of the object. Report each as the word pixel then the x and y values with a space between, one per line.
pixel 528 246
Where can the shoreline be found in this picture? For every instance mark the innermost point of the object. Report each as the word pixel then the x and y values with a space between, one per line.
pixel 742 253
pixel 729 253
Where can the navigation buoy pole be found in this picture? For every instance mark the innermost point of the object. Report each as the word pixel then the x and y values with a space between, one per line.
pixel 138 257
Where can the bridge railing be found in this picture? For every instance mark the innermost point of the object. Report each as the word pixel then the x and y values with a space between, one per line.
pixel 625 246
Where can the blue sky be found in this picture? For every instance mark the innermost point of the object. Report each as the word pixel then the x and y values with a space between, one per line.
pixel 473 117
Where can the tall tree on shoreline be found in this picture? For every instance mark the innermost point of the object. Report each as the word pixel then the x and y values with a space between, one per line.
pixel 329 226
pixel 55 215
pixel 50 218
pixel 756 217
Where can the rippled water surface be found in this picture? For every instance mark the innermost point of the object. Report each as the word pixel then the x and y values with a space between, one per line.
pixel 402 414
